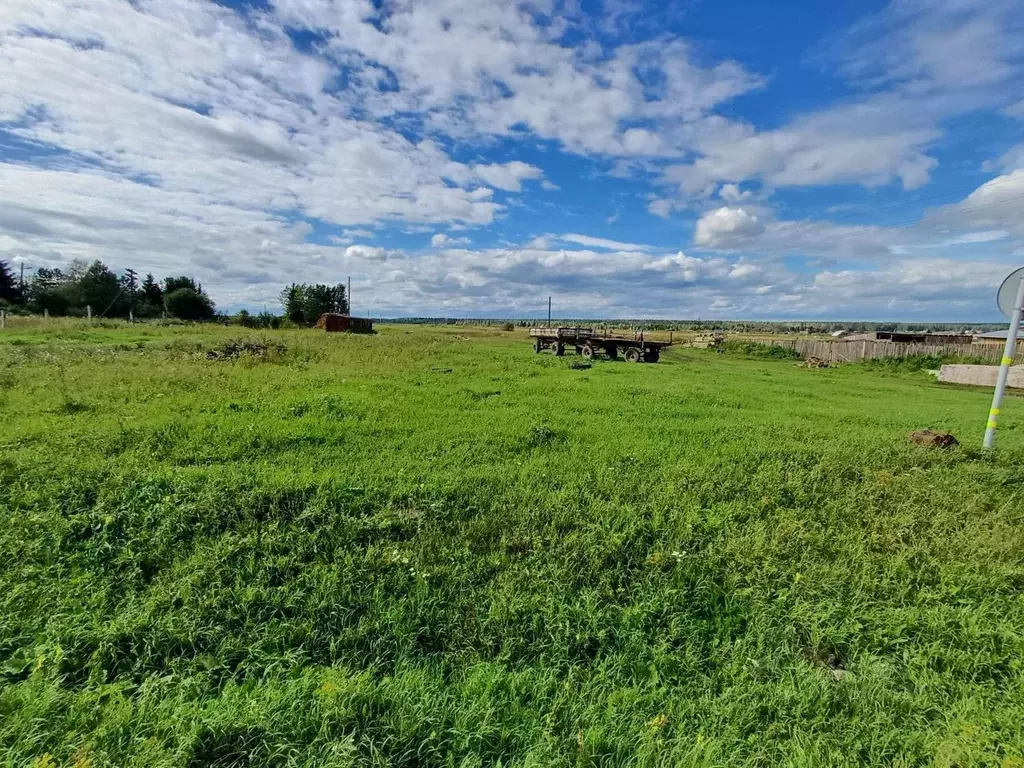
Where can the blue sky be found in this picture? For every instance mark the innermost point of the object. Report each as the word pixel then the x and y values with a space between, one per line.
pixel 858 160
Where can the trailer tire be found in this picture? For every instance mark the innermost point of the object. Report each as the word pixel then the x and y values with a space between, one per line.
pixel 559 348
pixel 632 355
pixel 538 345
pixel 651 356
pixel 587 352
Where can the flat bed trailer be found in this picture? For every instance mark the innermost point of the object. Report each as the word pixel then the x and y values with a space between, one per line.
pixel 590 344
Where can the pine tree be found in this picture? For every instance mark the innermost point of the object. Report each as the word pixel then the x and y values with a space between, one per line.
pixel 9 289
pixel 151 297
pixel 151 291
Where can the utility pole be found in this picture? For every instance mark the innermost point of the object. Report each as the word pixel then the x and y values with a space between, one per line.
pixel 21 284
pixel 549 311
pixel 348 296
pixel 1013 286
pixel 132 275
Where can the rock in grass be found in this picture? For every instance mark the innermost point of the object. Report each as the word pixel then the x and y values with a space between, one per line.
pixel 933 439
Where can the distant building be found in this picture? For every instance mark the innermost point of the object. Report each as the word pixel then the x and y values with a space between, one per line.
pixel 912 337
pixel 335 323
pixel 997 337
pixel 840 334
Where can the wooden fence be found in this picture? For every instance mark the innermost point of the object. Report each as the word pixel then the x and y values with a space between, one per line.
pixel 850 351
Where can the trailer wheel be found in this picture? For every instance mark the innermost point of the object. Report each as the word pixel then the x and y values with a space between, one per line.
pixel 632 355
pixel 587 352
pixel 538 345
pixel 651 356
pixel 613 351
pixel 559 348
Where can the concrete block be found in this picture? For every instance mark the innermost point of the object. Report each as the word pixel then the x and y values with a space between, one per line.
pixel 982 375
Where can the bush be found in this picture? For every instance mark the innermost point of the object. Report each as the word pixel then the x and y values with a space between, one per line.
pixel 187 304
pixel 911 363
pixel 755 349
pixel 244 319
pixel 268 320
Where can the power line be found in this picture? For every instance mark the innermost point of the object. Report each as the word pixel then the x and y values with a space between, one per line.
pixel 130 284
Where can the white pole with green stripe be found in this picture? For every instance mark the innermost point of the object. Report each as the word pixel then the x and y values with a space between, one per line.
pixel 1011 302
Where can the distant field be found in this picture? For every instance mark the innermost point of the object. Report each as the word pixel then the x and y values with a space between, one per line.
pixel 432 547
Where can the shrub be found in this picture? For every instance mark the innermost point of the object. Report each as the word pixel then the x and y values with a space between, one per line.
pixel 543 435
pixel 911 363
pixel 756 349
pixel 187 304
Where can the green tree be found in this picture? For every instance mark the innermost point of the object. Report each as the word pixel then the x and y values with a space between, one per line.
pixel 172 284
pixel 10 292
pixel 51 290
pixel 292 299
pixel 303 303
pixel 318 300
pixel 101 289
pixel 150 298
pixel 188 304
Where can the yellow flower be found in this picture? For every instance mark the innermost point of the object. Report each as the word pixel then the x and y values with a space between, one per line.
pixel 657 722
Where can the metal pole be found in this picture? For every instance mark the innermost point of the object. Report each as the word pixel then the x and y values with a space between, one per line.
pixel 1004 369
pixel 348 297
pixel 549 311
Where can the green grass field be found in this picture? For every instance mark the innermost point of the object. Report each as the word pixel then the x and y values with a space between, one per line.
pixel 431 547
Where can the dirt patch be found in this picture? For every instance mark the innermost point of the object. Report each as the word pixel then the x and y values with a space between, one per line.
pixel 814 362
pixel 233 350
pixel 933 439
pixel 829 659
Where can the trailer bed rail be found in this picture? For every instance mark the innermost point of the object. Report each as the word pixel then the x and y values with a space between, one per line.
pixel 590 344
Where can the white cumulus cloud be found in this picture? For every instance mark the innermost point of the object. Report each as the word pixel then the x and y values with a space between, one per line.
pixel 725 224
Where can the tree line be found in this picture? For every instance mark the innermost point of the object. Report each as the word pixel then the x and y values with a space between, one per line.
pixel 84 287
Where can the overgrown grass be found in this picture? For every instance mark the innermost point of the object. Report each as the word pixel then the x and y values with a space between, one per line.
pixel 756 349
pixel 432 547
pixel 911 363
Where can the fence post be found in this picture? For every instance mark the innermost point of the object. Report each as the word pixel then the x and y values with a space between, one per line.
pixel 3 319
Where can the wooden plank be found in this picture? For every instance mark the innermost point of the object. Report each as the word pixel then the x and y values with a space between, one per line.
pixel 851 351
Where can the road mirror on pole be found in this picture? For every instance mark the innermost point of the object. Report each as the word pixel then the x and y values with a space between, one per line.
pixel 1011 301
